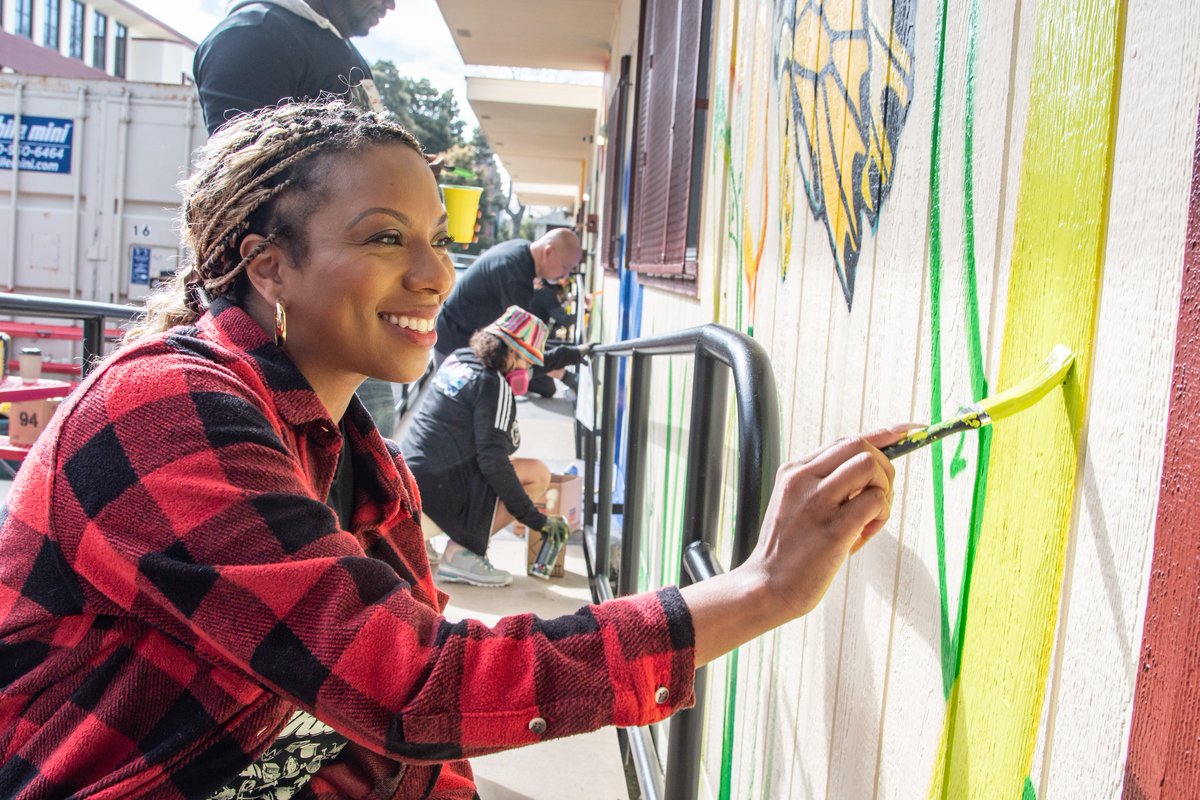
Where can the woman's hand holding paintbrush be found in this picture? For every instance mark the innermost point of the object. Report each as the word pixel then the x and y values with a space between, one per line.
pixel 1052 372
pixel 824 507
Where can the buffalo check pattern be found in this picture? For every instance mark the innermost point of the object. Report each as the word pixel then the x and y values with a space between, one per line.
pixel 173 587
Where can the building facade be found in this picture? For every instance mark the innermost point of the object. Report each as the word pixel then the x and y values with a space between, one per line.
pixel 112 37
pixel 908 205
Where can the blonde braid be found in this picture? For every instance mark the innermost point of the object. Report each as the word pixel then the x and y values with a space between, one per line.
pixel 246 196
pixel 231 234
pixel 240 177
pixel 216 286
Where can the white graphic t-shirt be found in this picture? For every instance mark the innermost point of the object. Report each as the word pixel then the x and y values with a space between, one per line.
pixel 303 746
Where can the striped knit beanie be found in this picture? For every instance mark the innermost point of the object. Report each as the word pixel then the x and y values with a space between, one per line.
pixel 522 331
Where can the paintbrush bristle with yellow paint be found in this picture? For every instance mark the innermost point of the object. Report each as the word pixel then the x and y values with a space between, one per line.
pixel 1020 397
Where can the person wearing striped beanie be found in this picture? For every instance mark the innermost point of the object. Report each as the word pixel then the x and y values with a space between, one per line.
pixel 460 445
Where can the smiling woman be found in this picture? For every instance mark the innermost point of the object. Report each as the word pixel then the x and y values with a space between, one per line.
pixel 363 289
pixel 213 580
pixel 326 219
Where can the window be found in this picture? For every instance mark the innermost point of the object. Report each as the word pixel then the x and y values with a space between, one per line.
pixel 669 140
pixel 23 19
pixel 50 36
pixel 100 41
pixel 614 170
pixel 120 49
pixel 76 42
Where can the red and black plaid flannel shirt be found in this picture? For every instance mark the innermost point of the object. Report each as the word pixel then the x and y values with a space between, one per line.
pixel 173 586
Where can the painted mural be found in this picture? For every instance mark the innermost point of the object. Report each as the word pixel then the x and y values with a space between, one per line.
pixel 974 181
pixel 1058 235
pixel 844 72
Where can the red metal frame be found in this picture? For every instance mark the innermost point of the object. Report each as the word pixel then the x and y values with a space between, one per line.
pixel 40 330
pixel 14 390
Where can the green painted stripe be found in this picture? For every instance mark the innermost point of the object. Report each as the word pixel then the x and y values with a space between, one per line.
pixel 951 635
pixel 662 567
pixel 731 676
pixel 935 342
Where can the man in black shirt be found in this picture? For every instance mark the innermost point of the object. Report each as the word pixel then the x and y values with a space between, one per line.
pixel 502 277
pixel 268 51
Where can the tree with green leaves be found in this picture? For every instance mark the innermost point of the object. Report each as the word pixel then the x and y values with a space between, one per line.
pixel 430 115
pixel 433 119
pixel 474 164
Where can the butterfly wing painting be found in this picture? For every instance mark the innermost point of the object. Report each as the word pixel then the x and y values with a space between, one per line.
pixel 846 82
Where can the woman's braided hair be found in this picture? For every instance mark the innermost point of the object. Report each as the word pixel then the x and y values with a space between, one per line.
pixel 240 178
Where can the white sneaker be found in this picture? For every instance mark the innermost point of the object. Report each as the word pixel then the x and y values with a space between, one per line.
pixel 466 567
pixel 432 554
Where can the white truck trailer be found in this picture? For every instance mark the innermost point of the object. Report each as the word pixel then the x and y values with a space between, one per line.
pixel 90 210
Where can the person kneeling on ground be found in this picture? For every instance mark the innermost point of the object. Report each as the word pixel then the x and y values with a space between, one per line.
pixel 460 444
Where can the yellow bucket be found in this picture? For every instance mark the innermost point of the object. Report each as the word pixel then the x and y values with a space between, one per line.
pixel 462 204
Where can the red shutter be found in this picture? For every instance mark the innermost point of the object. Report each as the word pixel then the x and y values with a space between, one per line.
pixel 665 138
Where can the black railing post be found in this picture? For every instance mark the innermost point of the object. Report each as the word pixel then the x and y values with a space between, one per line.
pixel 93 343
pixel 706 451
pixel 702 499
pixel 608 424
pixel 700 563
pixel 758 440
pixel 589 476
pixel 758 457
pixel 637 412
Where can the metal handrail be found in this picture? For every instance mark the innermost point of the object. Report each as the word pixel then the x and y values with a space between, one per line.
pixel 758 443
pixel 90 313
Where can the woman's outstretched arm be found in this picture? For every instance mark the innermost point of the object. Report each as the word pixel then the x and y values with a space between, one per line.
pixel 823 508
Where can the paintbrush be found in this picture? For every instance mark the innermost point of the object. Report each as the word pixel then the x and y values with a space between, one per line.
pixel 1052 372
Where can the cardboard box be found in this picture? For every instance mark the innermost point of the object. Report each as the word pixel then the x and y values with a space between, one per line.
pixel 27 420
pixel 564 498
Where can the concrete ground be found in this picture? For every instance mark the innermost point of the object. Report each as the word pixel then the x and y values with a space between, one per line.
pixel 585 766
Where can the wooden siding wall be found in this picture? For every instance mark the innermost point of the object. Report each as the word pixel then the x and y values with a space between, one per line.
pixel 909 202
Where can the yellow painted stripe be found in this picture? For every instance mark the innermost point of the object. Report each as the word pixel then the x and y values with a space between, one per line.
pixel 994 711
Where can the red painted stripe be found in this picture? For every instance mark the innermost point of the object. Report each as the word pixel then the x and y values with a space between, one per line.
pixel 1164 741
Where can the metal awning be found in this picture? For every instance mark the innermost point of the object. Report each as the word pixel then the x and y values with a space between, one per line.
pixel 553 34
pixel 542 133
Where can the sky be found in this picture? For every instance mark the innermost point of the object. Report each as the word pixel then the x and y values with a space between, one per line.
pixel 414 37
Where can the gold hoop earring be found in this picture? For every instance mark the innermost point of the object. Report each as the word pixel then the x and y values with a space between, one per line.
pixel 280 325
